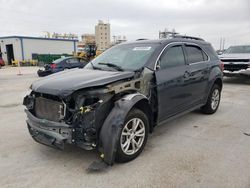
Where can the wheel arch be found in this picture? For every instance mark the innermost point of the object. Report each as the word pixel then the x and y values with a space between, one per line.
pixel 144 106
pixel 215 77
pixel 110 131
pixel 218 81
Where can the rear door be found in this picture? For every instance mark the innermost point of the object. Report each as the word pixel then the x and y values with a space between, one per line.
pixel 170 80
pixel 198 69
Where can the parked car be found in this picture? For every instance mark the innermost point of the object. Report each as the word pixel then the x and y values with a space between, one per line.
pixel 1 62
pixel 236 59
pixel 62 64
pixel 114 102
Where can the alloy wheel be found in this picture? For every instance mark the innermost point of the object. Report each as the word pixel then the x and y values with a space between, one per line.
pixel 215 99
pixel 132 136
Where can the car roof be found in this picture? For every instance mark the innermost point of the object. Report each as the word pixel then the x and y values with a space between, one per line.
pixel 163 42
pixel 168 40
pixel 59 60
pixel 68 57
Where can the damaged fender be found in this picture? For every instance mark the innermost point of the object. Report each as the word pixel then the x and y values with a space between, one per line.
pixel 109 135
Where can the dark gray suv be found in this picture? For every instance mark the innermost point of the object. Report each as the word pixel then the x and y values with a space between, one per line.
pixel 119 97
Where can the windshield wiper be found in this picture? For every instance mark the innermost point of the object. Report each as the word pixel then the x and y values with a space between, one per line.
pixel 94 67
pixel 117 67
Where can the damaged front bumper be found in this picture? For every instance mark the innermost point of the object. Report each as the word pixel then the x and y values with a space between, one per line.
pixel 48 132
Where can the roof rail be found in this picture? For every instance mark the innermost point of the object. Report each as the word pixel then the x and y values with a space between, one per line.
pixel 187 37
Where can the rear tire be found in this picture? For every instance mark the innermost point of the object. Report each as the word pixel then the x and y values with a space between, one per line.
pixel 133 136
pixel 213 100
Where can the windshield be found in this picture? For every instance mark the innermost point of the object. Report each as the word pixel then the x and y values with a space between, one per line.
pixel 124 57
pixel 238 49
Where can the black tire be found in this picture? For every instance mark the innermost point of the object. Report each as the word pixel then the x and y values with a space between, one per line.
pixel 121 156
pixel 208 108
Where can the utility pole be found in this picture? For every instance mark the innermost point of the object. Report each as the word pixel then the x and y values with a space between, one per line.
pixel 223 47
pixel 222 43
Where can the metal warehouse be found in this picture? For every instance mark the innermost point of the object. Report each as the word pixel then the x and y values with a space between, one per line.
pixel 22 48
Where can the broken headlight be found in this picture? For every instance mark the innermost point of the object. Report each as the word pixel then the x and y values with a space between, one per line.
pixel 29 102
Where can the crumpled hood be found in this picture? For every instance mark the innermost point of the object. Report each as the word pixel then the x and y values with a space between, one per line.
pixel 66 82
pixel 235 56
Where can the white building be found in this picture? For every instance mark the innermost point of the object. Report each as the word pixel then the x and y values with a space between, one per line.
pixel 23 48
pixel 102 35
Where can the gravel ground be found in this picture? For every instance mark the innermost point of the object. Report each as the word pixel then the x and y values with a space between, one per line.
pixel 195 150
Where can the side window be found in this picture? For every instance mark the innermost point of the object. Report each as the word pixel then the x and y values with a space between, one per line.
pixel 205 57
pixel 73 60
pixel 172 57
pixel 195 54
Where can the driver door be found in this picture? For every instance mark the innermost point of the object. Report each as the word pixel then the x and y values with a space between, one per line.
pixel 171 74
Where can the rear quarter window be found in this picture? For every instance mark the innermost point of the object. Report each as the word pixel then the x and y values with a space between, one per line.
pixel 195 54
pixel 205 57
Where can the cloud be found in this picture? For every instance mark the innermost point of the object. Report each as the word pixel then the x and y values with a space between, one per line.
pixel 210 19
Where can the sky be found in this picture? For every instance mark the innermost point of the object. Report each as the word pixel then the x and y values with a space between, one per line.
pixel 209 19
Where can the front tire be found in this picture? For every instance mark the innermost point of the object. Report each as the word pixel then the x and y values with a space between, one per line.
pixel 213 100
pixel 133 136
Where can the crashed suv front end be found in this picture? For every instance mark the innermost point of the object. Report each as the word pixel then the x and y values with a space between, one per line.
pixel 53 121
pixel 78 116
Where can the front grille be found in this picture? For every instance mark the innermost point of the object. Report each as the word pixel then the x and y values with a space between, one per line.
pixel 235 67
pixel 49 109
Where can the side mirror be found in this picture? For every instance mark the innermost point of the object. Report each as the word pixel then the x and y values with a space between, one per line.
pixel 158 67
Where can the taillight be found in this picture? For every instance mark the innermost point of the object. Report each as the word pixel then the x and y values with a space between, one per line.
pixel 53 66
pixel 221 65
